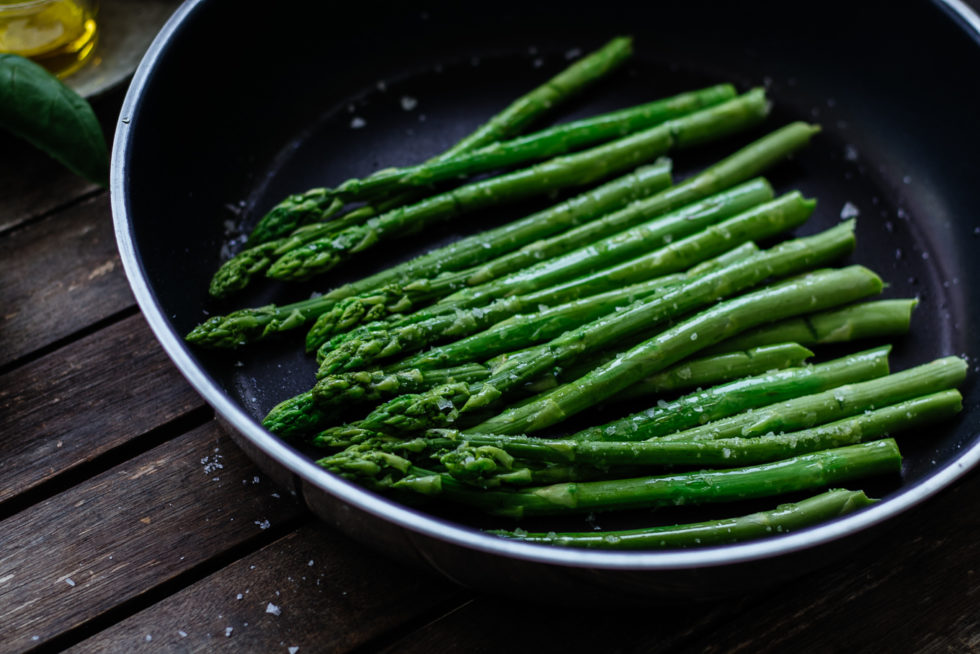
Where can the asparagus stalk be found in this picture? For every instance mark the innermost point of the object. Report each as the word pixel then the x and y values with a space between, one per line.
pixel 833 404
pixel 549 278
pixel 738 167
pixel 814 291
pixel 375 386
pixel 544 144
pixel 314 253
pixel 358 348
pixel 552 255
pixel 560 87
pixel 784 519
pixel 552 142
pixel 297 416
pixel 320 203
pixel 741 395
pixel 905 415
pixel 442 405
pixel 798 473
pixel 689 374
pixel 876 319
pixel 249 325
pixel 548 321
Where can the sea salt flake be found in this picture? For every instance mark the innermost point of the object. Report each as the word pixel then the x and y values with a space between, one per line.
pixel 849 211
pixel 357 122
pixel 228 631
pixel 273 609
pixel 263 524
pixel 293 649
pixel 68 580
pixel 408 102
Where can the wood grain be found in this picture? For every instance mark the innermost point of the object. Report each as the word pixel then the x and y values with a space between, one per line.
pixel 313 589
pixel 122 533
pixel 84 399
pixel 61 274
pixel 33 184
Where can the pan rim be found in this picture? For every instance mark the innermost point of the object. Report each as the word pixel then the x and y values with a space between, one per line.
pixel 431 526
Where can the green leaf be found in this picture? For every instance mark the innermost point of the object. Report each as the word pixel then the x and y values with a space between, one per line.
pixel 36 106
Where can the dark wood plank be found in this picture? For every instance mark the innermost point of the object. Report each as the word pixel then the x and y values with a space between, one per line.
pixel 313 589
pixel 536 627
pixel 120 534
pixel 61 274
pixel 84 399
pixel 32 184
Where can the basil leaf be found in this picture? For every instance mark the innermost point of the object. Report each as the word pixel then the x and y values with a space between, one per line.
pixel 36 106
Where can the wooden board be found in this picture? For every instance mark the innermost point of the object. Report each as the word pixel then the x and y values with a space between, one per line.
pixel 62 274
pixel 77 557
pixel 313 589
pixel 82 400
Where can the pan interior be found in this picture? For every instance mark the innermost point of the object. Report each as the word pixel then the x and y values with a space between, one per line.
pixel 217 141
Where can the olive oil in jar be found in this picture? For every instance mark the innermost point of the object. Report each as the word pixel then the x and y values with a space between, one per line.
pixel 58 34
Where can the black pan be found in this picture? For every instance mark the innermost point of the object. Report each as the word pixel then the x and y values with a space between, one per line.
pixel 239 103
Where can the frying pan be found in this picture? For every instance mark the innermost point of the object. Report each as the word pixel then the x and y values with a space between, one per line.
pixel 238 104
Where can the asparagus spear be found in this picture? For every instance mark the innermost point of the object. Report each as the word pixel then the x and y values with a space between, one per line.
pixel 248 325
pixel 760 222
pixel 784 519
pixel 297 416
pixel 553 255
pixel 521 329
pixel 741 165
pixel 689 374
pixel 358 348
pixel 312 255
pixel 798 473
pixel 875 319
pixel 529 106
pixel 441 406
pixel 363 386
pixel 736 450
pixel 741 395
pixel 840 402
pixel 814 291
pixel 539 145
pixel 319 204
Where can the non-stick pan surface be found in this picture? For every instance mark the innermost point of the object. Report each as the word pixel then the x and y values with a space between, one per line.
pixel 239 104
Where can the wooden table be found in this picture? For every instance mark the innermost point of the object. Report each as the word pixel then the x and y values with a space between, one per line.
pixel 130 522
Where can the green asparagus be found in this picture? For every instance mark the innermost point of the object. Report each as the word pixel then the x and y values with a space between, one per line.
pixel 798 473
pixel 833 404
pixel 741 395
pixel 249 325
pixel 814 291
pixel 784 519
pixel 442 405
pixel 319 204
pixel 314 254
pixel 864 320
pixel 735 450
pixel 355 349
pixel 566 261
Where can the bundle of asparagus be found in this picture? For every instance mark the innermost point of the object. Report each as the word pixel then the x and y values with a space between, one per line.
pixel 444 377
